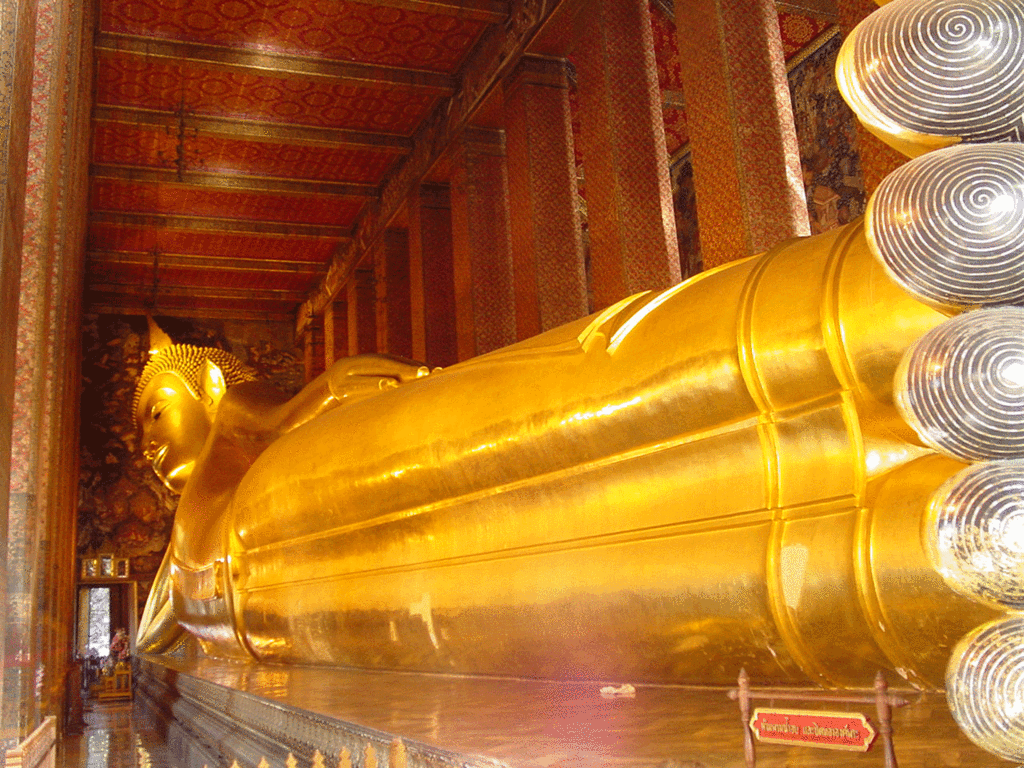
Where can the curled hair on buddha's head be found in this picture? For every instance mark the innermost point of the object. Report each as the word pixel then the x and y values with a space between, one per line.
pixel 187 361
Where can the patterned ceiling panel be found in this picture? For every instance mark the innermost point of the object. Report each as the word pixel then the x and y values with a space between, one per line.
pixel 666 50
pixel 113 237
pixel 137 197
pixel 129 80
pixel 121 144
pixel 677 132
pixel 332 29
pixel 798 32
pixel 141 275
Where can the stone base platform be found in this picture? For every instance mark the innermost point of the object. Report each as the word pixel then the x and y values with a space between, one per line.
pixel 215 712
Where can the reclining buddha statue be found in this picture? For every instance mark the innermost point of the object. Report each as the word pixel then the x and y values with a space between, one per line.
pixel 763 467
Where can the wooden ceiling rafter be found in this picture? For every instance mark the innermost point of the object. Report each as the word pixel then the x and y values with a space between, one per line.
pixel 202 292
pixel 235 182
pixel 487 11
pixel 158 221
pixel 825 10
pixel 256 130
pixel 210 263
pixel 205 313
pixel 249 60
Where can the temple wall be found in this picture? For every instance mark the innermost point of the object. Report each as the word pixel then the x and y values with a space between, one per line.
pixel 45 72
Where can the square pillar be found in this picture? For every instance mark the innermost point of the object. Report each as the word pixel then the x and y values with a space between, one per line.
pixel 746 160
pixel 633 243
pixel 547 244
pixel 335 331
pixel 394 317
pixel 313 349
pixel 481 245
pixel 432 276
pixel 362 315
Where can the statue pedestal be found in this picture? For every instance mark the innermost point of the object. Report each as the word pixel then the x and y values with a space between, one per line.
pixel 218 711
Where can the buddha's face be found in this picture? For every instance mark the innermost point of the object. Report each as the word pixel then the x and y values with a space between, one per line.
pixel 174 425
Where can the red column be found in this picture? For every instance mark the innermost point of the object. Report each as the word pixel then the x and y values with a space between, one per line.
pixel 362 316
pixel 633 243
pixel 313 349
pixel 481 245
pixel 394 318
pixel 746 161
pixel 431 276
pixel 335 331
pixel 307 353
pixel 547 246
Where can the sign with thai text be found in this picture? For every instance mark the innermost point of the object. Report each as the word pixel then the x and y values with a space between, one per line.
pixel 849 731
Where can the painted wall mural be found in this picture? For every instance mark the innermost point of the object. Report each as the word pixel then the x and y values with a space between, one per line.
pixel 826 130
pixel 122 508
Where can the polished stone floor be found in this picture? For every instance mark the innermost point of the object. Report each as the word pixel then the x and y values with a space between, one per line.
pixel 115 736
pixel 532 724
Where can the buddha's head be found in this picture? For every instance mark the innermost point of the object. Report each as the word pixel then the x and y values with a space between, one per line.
pixel 176 400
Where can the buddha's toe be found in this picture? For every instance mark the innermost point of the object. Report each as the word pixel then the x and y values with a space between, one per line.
pixel 961 385
pixel 991 660
pixel 949 226
pixel 974 533
pixel 928 73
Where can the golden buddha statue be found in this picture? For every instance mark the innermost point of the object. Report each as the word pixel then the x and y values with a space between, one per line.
pixel 712 477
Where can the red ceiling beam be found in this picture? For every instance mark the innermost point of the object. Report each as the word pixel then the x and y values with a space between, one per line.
pixel 487 11
pixel 197 292
pixel 219 226
pixel 202 263
pixel 255 130
pixel 242 59
pixel 205 313
pixel 232 181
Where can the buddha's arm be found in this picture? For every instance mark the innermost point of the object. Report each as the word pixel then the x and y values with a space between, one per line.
pixel 159 629
pixel 347 381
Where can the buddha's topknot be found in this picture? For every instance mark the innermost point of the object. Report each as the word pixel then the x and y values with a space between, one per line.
pixel 187 361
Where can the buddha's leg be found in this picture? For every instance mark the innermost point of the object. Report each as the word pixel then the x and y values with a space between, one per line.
pixel 650 497
pixel 691 492
pixel 651 494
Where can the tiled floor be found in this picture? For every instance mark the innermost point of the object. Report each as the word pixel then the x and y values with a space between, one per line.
pixel 534 724
pixel 115 736
pixel 522 724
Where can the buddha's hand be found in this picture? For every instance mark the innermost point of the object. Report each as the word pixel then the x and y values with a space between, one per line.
pixel 159 630
pixel 948 76
pixel 360 376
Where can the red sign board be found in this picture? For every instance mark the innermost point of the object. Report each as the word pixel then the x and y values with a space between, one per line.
pixel 849 731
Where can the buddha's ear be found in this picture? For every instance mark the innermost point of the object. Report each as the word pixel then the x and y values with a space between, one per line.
pixel 211 384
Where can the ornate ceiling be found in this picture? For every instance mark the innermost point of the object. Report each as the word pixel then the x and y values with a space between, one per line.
pixel 239 145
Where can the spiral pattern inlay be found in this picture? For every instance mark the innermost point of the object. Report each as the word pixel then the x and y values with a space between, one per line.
pixel 985 687
pixel 949 226
pixel 975 533
pixel 946 67
pixel 961 385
